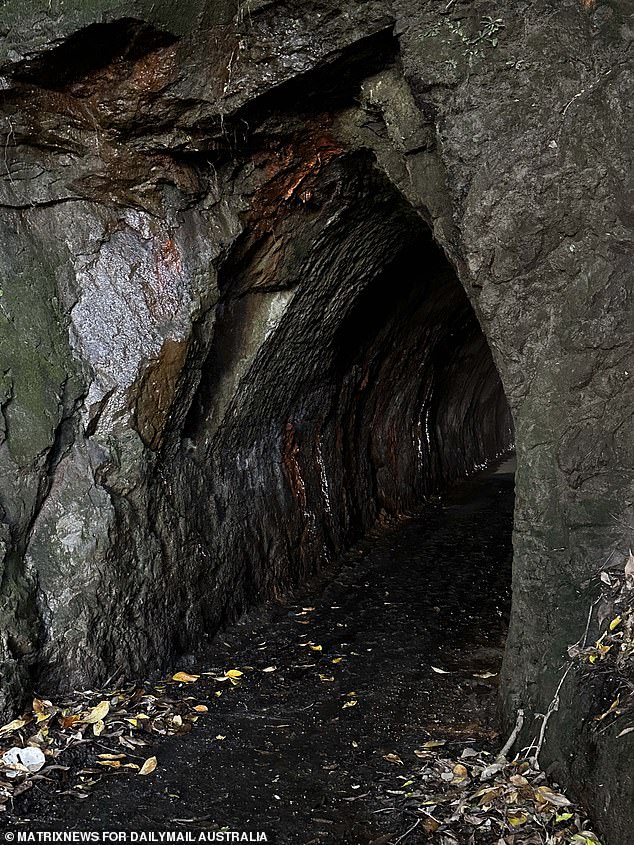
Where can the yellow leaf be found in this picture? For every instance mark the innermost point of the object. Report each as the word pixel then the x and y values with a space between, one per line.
pixel 201 708
pixel 111 756
pixel 15 725
pixel 351 694
pixel 177 720
pixel 615 622
pixel 593 658
pixel 113 764
pixel 98 727
pixel 517 819
pixel 42 717
pixel 185 678
pixel 133 722
pixel 315 648
pixel 218 693
pixel 460 773
pixel 562 817
pixel 220 737
pixel 337 659
pixel 434 743
pixel 234 673
pixel 326 678
pixel 352 703
pixel 98 713
pixel 148 767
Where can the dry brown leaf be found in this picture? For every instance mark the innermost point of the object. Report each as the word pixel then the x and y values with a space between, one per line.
pixel 15 725
pixel 149 766
pixel 97 713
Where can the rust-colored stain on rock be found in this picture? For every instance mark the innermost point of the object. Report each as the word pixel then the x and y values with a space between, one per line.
pixel 157 391
pixel 290 464
pixel 163 293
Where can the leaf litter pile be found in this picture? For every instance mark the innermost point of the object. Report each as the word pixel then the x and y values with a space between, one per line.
pixel 472 797
pixel 475 797
pixel 34 748
pixel 330 730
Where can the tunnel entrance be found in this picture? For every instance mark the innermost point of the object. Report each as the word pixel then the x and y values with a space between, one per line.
pixel 348 377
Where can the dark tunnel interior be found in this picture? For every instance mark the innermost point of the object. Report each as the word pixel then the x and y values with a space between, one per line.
pixel 344 338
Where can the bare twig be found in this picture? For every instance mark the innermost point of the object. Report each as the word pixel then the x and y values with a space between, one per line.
pixel 552 708
pixel 510 742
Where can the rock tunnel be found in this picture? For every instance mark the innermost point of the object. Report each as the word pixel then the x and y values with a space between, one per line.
pixel 266 272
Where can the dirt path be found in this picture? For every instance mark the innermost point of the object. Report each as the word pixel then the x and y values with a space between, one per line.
pixel 300 751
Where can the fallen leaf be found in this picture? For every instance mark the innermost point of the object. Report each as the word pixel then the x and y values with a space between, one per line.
pixel 460 773
pixel 185 678
pixel 98 727
pixel 485 675
pixel 201 708
pixel 434 743
pixel 220 737
pixel 15 725
pixel 615 622
pixel 430 825
pixel 625 731
pixel 517 819
pixel 352 703
pixel 97 713
pixel 629 571
pixel 544 794
pixel 336 659
pixel 315 648
pixel 148 767
pixel 234 673
pixel 326 678
pixel 393 758
pixel 440 671
pixel 270 669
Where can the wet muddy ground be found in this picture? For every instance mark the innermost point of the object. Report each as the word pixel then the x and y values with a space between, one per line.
pixel 311 752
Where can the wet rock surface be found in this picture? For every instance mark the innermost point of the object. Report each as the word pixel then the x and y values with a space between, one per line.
pixel 218 368
pixel 285 751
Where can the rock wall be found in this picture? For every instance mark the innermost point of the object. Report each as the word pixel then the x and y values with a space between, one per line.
pixel 262 264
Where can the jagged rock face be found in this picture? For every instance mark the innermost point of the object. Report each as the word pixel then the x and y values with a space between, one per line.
pixel 262 265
